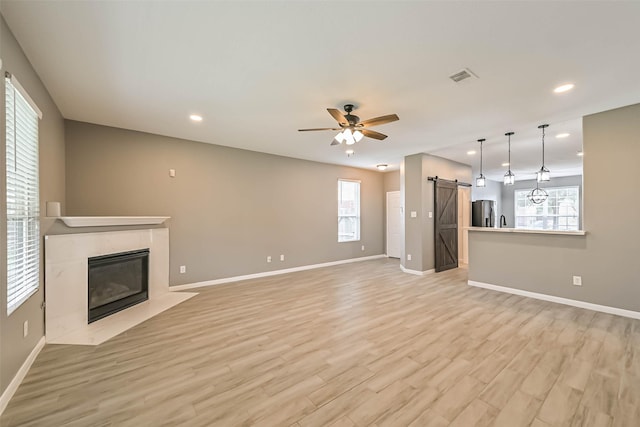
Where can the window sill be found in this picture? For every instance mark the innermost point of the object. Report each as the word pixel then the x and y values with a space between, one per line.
pixel 528 231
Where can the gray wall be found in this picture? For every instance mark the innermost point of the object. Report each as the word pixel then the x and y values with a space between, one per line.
pixel 391 183
pixel 14 349
pixel 229 208
pixel 606 257
pixel 419 231
pixel 508 194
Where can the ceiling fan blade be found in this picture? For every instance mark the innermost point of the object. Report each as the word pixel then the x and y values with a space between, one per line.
pixel 373 134
pixel 334 142
pixel 337 114
pixel 307 130
pixel 380 120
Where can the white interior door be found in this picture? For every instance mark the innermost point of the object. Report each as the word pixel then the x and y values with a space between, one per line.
pixel 394 224
pixel 464 220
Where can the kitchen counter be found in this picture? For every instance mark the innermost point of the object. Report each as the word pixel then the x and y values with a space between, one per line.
pixel 527 231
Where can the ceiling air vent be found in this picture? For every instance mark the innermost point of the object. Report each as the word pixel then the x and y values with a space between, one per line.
pixel 461 75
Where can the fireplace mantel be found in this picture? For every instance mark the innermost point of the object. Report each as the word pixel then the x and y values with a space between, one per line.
pixel 105 221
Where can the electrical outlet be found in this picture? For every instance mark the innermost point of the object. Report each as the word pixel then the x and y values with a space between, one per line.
pixel 362 247
pixel 25 328
pixel 269 258
pixel 414 214
pixel 408 257
pixel 172 173
pixel 577 280
pixel 183 269
pixel 282 257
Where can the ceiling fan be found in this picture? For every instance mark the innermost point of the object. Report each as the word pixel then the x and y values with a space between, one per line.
pixel 352 129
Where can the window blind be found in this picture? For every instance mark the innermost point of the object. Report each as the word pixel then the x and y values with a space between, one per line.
pixel 23 198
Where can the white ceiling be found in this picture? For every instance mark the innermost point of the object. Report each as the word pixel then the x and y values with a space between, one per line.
pixel 258 71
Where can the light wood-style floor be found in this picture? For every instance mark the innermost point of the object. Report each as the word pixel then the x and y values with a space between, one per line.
pixel 359 344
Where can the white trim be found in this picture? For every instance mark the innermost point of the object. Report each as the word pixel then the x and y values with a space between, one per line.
pixel 26 96
pixel 416 272
pixel 22 372
pixel 270 273
pixel 559 300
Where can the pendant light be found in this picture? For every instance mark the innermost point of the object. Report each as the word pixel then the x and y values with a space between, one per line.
pixel 537 195
pixel 481 180
pixel 543 174
pixel 509 177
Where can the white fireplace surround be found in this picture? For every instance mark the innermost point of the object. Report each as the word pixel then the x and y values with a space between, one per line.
pixel 66 292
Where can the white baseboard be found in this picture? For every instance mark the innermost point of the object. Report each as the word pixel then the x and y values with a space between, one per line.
pixel 559 300
pixel 416 272
pixel 22 372
pixel 270 273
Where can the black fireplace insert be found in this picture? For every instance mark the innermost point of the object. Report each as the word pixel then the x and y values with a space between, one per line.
pixel 117 281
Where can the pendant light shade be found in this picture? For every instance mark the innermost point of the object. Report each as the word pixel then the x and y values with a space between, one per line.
pixel 481 180
pixel 509 177
pixel 543 174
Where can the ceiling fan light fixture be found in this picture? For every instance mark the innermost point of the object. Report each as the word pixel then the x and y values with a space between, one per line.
pixel 350 152
pixel 352 129
pixel 348 137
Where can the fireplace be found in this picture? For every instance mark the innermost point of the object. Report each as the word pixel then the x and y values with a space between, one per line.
pixel 117 281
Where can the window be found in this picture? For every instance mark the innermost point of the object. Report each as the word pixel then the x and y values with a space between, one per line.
pixel 561 210
pixel 23 198
pixel 348 210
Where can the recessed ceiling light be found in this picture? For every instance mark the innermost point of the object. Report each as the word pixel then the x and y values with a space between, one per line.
pixel 195 118
pixel 505 164
pixel 381 167
pixel 471 152
pixel 564 88
pixel 580 153
pixel 562 135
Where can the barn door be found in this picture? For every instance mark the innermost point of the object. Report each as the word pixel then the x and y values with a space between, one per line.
pixel 446 224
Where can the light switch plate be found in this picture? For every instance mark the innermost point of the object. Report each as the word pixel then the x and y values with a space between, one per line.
pixel 430 214
pixel 414 214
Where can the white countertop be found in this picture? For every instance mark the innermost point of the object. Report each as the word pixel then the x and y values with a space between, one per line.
pixel 527 231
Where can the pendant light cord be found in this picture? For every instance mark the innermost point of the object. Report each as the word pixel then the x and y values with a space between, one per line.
pixel 543 146
pixel 481 157
pixel 509 152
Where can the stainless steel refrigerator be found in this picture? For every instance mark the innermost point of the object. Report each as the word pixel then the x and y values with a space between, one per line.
pixel 483 213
